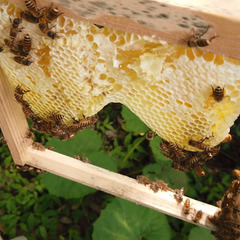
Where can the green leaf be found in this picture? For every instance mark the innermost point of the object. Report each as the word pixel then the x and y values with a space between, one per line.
pixel 103 160
pixel 156 150
pixel 11 206
pixel 65 188
pixel 124 220
pixel 43 232
pixel 133 123
pixel 198 233
pixel 84 143
pixel 163 171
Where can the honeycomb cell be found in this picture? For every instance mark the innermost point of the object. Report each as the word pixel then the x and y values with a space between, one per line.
pixel 208 56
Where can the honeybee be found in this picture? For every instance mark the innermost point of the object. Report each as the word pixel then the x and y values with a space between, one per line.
pixel 143 180
pixel 29 134
pixel 198 216
pixel 163 186
pixel 178 195
pixel 200 145
pixel 150 135
pixel 27 111
pixel 33 8
pixel 26 45
pixel 199 171
pixel 197 41
pixel 38 146
pixel 66 136
pixel 218 93
pixel 52 14
pixel 236 172
pixel 155 187
pixel 46 30
pixel 18 94
pixel 57 118
pixel 15 28
pixel 29 17
pixel 186 206
pixel 227 139
pixel 15 47
pixel 165 148
pixel 83 159
pixel 23 61
pixel 27 168
pixel 83 123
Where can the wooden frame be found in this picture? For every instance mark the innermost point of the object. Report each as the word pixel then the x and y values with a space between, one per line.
pixel 14 125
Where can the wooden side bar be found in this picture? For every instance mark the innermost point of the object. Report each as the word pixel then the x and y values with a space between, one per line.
pixel 13 122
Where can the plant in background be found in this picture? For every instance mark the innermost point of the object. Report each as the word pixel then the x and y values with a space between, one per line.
pixel 47 206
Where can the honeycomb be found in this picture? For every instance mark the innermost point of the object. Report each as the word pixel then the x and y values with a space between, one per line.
pixel 169 87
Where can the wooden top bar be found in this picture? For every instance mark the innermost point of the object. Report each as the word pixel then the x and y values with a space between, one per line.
pixel 166 20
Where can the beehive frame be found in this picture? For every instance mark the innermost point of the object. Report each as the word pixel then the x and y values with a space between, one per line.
pixel 14 127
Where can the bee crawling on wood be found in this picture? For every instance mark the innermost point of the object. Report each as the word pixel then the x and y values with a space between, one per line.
pixel 196 39
pixel 38 146
pixel 143 180
pixel 218 93
pixel 46 30
pixel 186 206
pixel 198 216
pixel 29 134
pixel 27 168
pixel 83 159
pixel 178 195
pixel 155 186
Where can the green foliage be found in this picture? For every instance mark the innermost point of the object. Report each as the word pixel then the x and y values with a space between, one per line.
pixel 124 220
pixel 198 233
pixel 133 123
pixel 82 144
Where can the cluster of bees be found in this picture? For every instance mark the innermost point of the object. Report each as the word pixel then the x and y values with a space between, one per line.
pixel 21 47
pixel 178 195
pixel 228 218
pixel 154 185
pixel 28 168
pixel 54 124
pixel 184 160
